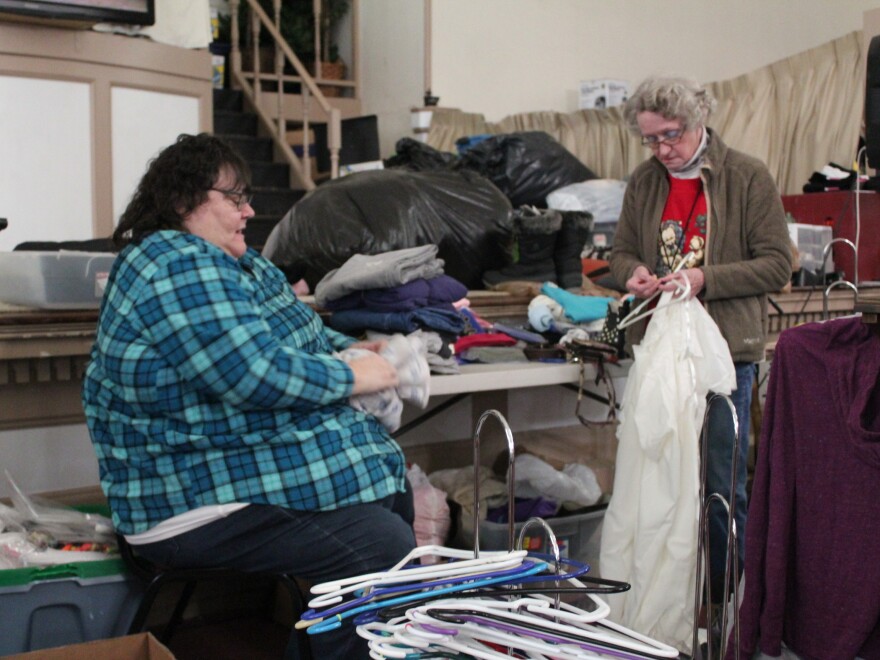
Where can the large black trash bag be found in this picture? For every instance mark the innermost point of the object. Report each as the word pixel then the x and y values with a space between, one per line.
pixel 526 167
pixel 383 210
pixel 419 157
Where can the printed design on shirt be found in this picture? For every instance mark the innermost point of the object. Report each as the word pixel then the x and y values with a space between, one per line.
pixel 672 248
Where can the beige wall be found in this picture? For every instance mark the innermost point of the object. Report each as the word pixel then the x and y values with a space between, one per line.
pixel 63 93
pixel 500 57
pixel 392 65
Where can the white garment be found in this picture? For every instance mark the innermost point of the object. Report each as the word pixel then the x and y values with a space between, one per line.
pixel 183 23
pixel 407 355
pixel 649 537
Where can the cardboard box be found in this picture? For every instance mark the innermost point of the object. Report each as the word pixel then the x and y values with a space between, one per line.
pixel 142 646
pixel 602 93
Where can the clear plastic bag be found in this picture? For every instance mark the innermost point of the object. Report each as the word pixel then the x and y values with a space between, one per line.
pixel 432 512
pixel 37 532
pixel 575 483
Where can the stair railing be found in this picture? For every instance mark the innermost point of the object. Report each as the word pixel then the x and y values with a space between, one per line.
pixel 251 86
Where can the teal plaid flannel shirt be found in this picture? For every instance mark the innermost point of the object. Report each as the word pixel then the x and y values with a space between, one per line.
pixel 209 383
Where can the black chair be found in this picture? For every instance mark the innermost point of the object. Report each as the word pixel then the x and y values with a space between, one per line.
pixel 156 578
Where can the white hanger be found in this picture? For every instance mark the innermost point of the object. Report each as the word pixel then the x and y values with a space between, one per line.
pixel 410 578
pixel 332 592
pixel 637 314
pixel 587 626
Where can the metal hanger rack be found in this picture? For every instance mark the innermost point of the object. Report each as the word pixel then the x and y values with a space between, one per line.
pixel 703 538
pixel 839 283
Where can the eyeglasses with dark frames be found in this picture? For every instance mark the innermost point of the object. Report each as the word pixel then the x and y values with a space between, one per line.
pixel 238 197
pixel 670 137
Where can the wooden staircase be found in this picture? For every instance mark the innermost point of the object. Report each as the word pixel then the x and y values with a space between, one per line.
pixel 273 195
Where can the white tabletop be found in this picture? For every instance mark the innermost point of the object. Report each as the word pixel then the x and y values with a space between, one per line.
pixel 512 375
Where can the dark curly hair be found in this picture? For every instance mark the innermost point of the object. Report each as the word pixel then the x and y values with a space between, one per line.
pixel 177 181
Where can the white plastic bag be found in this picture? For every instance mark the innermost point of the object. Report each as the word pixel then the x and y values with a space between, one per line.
pixel 575 483
pixel 601 197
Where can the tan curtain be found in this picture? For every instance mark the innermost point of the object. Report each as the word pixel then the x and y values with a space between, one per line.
pixel 796 115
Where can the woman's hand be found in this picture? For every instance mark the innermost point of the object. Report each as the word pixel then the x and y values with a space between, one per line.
pixel 678 281
pixel 372 373
pixel 643 283
pixel 376 345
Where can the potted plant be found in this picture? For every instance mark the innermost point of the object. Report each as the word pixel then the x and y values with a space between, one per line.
pixel 297 26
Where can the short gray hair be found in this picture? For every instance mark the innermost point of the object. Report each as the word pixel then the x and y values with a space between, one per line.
pixel 672 98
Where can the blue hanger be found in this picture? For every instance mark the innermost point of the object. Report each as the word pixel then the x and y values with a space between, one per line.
pixel 362 597
pixel 336 620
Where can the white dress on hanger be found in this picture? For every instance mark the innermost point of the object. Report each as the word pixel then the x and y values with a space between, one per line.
pixel 649 537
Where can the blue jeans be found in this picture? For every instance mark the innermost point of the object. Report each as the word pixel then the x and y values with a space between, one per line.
pixel 720 449
pixel 316 546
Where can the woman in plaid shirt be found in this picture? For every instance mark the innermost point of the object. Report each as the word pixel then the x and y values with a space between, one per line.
pixel 216 407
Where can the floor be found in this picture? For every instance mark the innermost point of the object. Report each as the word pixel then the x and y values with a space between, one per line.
pixel 250 638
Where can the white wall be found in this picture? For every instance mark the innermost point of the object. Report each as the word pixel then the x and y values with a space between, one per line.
pixel 500 57
pixel 47 459
pixel 392 65
pixel 46 165
pixel 136 141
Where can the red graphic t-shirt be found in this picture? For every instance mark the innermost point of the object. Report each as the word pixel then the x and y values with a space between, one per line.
pixel 683 226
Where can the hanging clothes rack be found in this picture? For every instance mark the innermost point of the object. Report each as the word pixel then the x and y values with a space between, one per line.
pixel 853 286
pixel 732 561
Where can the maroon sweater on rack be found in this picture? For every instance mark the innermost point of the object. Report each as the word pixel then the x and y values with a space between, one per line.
pixel 812 573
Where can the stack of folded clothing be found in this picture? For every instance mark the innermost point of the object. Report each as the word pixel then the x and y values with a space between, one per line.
pixel 402 291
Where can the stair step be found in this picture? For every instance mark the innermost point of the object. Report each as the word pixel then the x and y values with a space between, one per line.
pixel 229 122
pixel 275 201
pixel 270 175
pixel 228 99
pixel 258 229
pixel 252 148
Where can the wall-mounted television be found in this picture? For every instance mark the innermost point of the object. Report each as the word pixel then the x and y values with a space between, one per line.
pixel 135 12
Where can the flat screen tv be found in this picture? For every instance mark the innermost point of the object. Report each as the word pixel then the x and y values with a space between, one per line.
pixel 136 12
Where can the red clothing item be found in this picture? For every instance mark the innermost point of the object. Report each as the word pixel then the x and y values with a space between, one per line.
pixel 812 565
pixel 683 225
pixel 482 339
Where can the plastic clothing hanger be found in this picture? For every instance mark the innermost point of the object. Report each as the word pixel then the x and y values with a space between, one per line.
pixel 433 570
pixel 470 638
pixel 636 314
pixel 377 595
pixel 501 591
pixel 413 641
pixel 573 621
pixel 316 614
pixel 517 575
pixel 474 625
pixel 335 621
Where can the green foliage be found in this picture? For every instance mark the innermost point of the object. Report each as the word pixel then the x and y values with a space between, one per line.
pixel 297 25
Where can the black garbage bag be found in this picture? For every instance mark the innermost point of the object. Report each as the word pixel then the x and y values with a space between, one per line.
pixel 526 166
pixel 419 157
pixel 382 210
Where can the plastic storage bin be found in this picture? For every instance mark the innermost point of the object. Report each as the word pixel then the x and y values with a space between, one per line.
pixel 578 536
pixel 811 241
pixel 44 607
pixel 54 280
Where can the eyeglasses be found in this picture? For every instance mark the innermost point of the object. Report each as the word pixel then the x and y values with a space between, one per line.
pixel 238 197
pixel 666 137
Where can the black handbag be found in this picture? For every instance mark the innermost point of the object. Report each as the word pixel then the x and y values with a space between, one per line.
pixel 610 333
pixel 584 351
